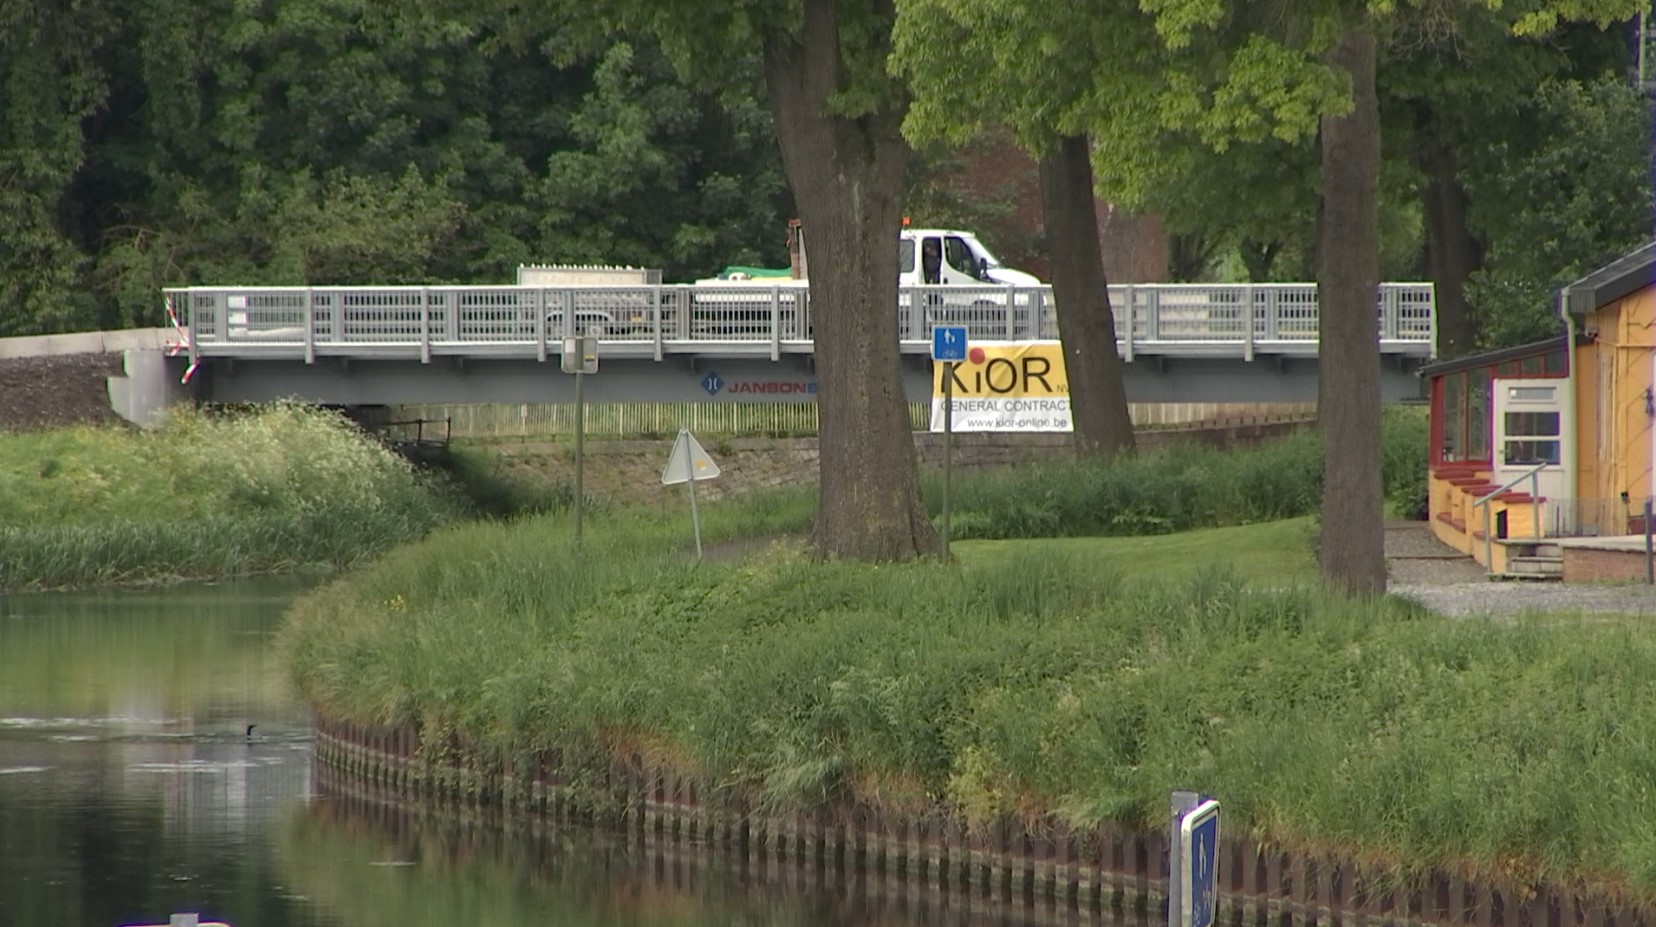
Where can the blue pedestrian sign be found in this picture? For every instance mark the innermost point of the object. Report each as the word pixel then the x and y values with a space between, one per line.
pixel 949 344
pixel 1199 865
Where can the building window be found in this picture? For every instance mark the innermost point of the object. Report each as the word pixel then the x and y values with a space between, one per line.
pixel 1477 414
pixel 1558 364
pixel 1531 438
pixel 1454 417
pixel 1531 453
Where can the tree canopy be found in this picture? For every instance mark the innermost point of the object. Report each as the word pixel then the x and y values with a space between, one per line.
pixel 154 143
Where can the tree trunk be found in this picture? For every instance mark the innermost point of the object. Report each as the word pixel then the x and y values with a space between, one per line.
pixel 1086 325
pixel 1452 253
pixel 1351 550
pixel 1188 256
pixel 1259 257
pixel 847 178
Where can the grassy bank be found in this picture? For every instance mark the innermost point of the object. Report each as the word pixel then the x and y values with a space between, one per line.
pixel 1277 552
pixel 1174 489
pixel 1026 679
pixel 203 496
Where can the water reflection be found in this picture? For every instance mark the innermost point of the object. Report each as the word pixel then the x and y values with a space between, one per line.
pixel 130 789
pixel 389 865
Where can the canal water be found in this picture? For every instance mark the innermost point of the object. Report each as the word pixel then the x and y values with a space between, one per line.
pixel 131 788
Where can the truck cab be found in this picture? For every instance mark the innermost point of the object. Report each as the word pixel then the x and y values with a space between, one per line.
pixel 949 257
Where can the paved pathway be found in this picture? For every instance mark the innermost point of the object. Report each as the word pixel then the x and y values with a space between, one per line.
pixel 1424 569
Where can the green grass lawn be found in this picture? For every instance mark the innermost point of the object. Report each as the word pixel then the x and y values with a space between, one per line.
pixel 1276 551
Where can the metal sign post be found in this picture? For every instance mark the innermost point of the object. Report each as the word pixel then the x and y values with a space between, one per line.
pixel 948 348
pixel 580 357
pixel 948 449
pixel 695 517
pixel 687 464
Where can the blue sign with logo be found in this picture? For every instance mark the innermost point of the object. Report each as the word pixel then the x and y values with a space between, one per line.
pixel 712 383
pixel 1199 875
pixel 949 343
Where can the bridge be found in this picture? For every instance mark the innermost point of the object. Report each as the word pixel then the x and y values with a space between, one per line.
pixel 741 342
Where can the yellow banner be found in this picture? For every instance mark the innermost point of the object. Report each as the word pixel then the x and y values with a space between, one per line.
pixel 999 369
pixel 1005 386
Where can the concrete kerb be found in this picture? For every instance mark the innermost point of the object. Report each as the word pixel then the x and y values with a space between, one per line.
pixel 137 339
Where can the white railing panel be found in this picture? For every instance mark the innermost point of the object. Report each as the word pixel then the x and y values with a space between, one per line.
pixel 335 318
pixel 757 312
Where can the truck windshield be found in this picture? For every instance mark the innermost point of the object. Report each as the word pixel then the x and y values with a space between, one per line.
pixel 985 253
pixel 905 255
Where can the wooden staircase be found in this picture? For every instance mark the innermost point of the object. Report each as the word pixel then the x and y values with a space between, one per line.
pixel 1533 559
pixel 1513 553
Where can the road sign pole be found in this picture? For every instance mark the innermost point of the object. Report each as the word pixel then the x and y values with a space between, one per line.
pixel 1179 804
pixel 690 477
pixel 580 450
pixel 948 448
pixel 949 348
pixel 580 357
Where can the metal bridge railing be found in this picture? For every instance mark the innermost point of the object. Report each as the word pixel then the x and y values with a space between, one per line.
pixel 764 318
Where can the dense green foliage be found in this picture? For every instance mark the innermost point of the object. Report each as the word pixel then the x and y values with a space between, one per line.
pixel 1025 683
pixel 204 496
pixel 168 144
pixel 1556 202
pixel 1405 450
pixel 332 141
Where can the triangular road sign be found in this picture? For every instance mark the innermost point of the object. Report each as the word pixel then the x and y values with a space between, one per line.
pixel 688 459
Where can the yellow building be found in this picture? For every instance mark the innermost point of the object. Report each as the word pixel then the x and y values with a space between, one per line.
pixel 1541 455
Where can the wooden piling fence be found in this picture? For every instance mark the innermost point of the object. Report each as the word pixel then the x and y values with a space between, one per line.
pixel 1102 870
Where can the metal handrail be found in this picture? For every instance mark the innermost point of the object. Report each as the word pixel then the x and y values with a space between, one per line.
pixel 1534 476
pixel 308 321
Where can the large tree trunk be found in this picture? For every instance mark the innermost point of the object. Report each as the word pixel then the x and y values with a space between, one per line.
pixel 847 178
pixel 1452 253
pixel 1351 551
pixel 1086 325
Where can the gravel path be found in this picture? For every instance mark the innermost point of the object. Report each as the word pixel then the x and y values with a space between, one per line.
pixel 1423 569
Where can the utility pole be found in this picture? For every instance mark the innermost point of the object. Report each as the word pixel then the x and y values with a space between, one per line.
pixel 1644 40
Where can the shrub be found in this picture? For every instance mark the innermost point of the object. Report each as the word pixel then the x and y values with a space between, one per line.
pixel 1172 489
pixel 1407 436
pixel 204 495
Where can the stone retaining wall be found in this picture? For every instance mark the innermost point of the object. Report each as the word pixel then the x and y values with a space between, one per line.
pixel 1100 871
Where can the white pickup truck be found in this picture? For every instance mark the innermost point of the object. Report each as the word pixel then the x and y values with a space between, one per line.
pixel 966 275
pixel 947 257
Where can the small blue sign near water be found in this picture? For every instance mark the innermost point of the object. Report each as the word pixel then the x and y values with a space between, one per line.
pixel 1199 878
pixel 949 343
